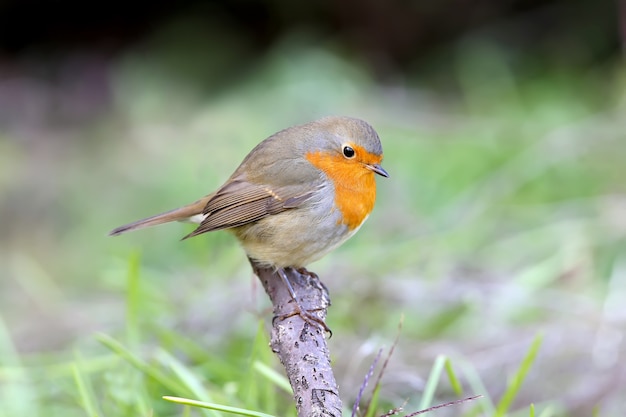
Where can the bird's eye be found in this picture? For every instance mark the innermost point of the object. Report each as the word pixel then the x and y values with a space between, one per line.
pixel 348 152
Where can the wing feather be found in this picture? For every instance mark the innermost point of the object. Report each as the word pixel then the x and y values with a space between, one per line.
pixel 240 202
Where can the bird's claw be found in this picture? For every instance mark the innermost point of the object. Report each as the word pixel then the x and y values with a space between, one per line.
pixel 305 315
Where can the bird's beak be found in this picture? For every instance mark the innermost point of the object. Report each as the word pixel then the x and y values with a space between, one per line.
pixel 377 169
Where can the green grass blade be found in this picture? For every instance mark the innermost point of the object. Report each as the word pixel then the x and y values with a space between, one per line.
pixel 485 405
pixel 133 299
pixel 218 407
pixel 279 380
pixel 140 365
pixel 531 410
pixel 255 392
pixel 454 381
pixel 85 391
pixel 550 411
pixel 518 378
pixel 373 404
pixel 188 378
pixel 433 381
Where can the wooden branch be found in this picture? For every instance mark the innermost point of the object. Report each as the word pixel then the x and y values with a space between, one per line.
pixel 301 345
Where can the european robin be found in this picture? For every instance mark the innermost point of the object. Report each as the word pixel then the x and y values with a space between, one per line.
pixel 296 196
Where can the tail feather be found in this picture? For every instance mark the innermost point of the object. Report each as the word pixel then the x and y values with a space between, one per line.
pixel 184 213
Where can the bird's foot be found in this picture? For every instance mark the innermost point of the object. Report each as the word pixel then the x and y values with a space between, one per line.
pixel 304 271
pixel 305 314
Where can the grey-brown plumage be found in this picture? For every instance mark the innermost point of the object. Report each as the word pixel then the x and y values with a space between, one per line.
pixel 279 177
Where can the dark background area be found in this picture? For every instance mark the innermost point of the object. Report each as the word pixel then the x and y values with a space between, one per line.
pixel 390 37
pixel 412 43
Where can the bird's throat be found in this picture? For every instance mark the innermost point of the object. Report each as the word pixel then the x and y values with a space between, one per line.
pixel 354 186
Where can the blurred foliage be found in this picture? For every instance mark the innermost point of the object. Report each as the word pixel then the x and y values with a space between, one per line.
pixel 503 218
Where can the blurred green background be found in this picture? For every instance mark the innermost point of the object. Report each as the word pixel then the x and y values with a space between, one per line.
pixel 504 128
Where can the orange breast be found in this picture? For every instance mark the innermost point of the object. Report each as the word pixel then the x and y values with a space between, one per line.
pixel 355 185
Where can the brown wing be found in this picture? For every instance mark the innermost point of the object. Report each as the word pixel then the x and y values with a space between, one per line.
pixel 240 202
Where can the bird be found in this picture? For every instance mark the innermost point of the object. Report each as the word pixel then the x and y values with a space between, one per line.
pixel 296 196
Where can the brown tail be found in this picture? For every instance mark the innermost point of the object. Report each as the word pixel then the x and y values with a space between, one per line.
pixel 179 214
